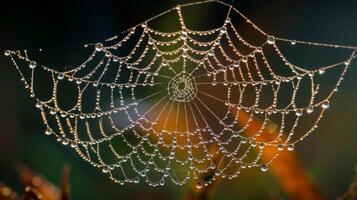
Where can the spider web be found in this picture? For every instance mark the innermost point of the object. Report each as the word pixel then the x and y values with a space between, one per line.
pixel 152 105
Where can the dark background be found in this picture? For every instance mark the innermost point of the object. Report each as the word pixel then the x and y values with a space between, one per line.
pixel 329 155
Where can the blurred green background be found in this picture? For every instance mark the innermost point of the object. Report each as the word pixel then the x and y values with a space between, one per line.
pixel 329 156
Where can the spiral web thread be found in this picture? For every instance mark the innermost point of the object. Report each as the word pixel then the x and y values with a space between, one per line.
pixel 173 109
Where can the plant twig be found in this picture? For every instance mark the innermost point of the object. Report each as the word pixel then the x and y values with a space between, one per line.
pixel 29 178
pixel 65 184
pixel 287 168
pixel 351 193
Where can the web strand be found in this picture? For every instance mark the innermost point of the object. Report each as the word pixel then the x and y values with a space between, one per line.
pixel 183 103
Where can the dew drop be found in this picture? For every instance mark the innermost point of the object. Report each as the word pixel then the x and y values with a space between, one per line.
pixel 199 184
pixel 299 113
pixel 105 169
pixel 108 54
pixel 290 147
pixel 264 168
pixel 53 111
pixel 321 71
pixel 99 47
pixel 60 76
pixel 280 147
pixel 7 52
pixel 63 114
pixel 32 65
pixel 48 132
pixel 65 141
pixel 325 105
pixel 73 144
pixel 162 182
pixel 261 146
pixel 310 110
pixel 271 40
pixel 38 105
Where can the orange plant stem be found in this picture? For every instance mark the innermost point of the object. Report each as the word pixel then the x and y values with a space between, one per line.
pixel 286 168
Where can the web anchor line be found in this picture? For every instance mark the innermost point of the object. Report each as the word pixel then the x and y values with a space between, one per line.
pixel 187 5
pixel 183 103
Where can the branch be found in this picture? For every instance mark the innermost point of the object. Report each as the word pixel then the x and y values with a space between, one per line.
pixel 287 169
pixel 351 193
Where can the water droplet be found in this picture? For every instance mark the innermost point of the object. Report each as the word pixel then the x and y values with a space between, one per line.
pixel 290 147
pixel 7 52
pixel 261 146
pixel 299 113
pixel 292 42
pixel 63 114
pixel 38 105
pixel 108 54
pixel 264 168
pixel 183 35
pixel 325 104
pixel 99 47
pixel 321 71
pixel 53 111
pixel 280 147
pixel 199 184
pixel 271 40
pixel 310 110
pixel 32 65
pixel 65 141
pixel 105 169
pixel 253 143
pixel 48 132
pixel 60 76
pixel 73 144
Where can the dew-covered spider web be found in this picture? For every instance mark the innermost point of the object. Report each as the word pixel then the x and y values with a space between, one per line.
pixel 153 105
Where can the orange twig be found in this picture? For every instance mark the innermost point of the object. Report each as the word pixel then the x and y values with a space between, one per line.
pixel 352 191
pixel 40 188
pixel 48 190
pixel 286 168
pixel 6 193
pixel 65 184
